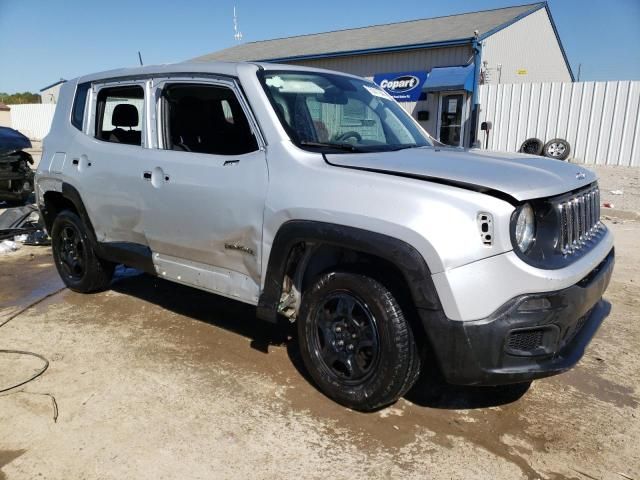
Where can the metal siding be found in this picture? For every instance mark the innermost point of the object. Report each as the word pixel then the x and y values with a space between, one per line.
pixel 369 65
pixel 632 117
pixel 617 122
pixel 32 120
pixel 530 44
pixel 600 120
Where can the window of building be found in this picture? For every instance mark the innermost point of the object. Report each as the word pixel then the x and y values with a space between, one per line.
pixel 119 115
pixel 205 119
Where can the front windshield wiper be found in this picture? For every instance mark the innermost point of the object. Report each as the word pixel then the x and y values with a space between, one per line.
pixel 340 146
pixel 404 146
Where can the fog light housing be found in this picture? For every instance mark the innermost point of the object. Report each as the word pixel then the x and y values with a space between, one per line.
pixel 535 304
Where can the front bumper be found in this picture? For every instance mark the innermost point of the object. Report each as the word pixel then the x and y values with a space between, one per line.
pixel 531 336
pixel 16 185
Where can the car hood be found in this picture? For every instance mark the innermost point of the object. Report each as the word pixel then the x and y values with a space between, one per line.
pixel 520 176
pixel 11 140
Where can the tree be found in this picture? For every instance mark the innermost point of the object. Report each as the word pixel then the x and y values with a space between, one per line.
pixel 17 98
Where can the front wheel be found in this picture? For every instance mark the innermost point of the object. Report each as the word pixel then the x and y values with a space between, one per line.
pixel 355 341
pixel 77 263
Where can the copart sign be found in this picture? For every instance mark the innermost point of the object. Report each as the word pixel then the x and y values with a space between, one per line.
pixel 403 86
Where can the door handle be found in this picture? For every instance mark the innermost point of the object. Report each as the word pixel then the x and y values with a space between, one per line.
pixel 146 175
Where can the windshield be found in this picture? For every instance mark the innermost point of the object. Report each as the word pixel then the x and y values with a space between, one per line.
pixel 333 112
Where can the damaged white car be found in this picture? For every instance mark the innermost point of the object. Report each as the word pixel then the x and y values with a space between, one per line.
pixel 315 197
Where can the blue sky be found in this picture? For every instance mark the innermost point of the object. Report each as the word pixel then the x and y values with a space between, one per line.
pixel 44 40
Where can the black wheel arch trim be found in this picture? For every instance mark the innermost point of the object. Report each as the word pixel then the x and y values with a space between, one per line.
pixel 402 255
pixel 128 253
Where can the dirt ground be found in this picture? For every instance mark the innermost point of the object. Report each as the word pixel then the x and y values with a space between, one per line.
pixel 155 380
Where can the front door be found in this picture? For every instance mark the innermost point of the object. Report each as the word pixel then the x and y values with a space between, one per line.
pixel 451 129
pixel 205 188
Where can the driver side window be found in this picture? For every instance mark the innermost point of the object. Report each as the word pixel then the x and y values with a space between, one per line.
pixel 349 121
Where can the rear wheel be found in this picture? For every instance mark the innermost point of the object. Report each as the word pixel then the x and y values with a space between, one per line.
pixel 79 267
pixel 355 341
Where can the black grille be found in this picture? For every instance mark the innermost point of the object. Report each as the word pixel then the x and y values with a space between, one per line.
pixel 525 341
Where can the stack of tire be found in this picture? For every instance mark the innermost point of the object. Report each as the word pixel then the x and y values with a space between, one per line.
pixel 556 148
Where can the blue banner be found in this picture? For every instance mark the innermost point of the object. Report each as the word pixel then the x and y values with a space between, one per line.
pixel 403 86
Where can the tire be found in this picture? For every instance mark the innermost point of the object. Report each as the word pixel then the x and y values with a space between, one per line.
pixel 557 148
pixel 378 360
pixel 77 263
pixel 532 146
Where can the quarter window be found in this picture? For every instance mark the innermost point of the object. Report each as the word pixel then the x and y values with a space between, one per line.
pixel 79 103
pixel 119 115
pixel 205 119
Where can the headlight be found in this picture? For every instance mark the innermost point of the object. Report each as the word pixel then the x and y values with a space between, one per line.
pixel 525 228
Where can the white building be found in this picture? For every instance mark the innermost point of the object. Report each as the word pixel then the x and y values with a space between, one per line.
pixel 49 94
pixel 448 56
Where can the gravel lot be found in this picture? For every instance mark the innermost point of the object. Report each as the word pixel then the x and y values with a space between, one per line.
pixel 156 380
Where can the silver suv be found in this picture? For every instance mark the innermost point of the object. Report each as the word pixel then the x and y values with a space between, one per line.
pixel 315 197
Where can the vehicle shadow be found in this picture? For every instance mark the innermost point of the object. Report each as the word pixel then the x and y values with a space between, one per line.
pixel 429 391
pixel 232 315
pixel 432 391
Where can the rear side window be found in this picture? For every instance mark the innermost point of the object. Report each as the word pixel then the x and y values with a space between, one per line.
pixel 79 103
pixel 119 115
pixel 205 119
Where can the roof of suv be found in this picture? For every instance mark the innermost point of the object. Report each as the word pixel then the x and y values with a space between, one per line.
pixel 214 67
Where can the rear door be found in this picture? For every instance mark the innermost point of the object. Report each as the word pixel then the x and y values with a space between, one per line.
pixel 205 187
pixel 103 162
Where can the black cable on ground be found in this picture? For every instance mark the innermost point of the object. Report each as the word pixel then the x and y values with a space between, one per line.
pixel 24 309
pixel 22 352
pixel 34 376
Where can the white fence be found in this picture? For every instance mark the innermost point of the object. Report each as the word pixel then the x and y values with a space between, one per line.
pixel 600 120
pixel 33 119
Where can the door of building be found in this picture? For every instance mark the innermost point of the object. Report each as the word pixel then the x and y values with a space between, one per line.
pixel 451 119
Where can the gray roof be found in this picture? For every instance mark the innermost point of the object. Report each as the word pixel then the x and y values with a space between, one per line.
pixel 430 31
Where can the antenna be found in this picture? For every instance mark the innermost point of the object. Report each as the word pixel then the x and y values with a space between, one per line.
pixel 237 33
pixel 140 58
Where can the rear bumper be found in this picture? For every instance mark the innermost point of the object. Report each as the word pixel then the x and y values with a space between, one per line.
pixel 531 336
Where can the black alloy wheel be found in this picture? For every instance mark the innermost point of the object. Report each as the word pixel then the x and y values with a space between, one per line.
pixel 72 252
pixel 355 341
pixel 346 338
